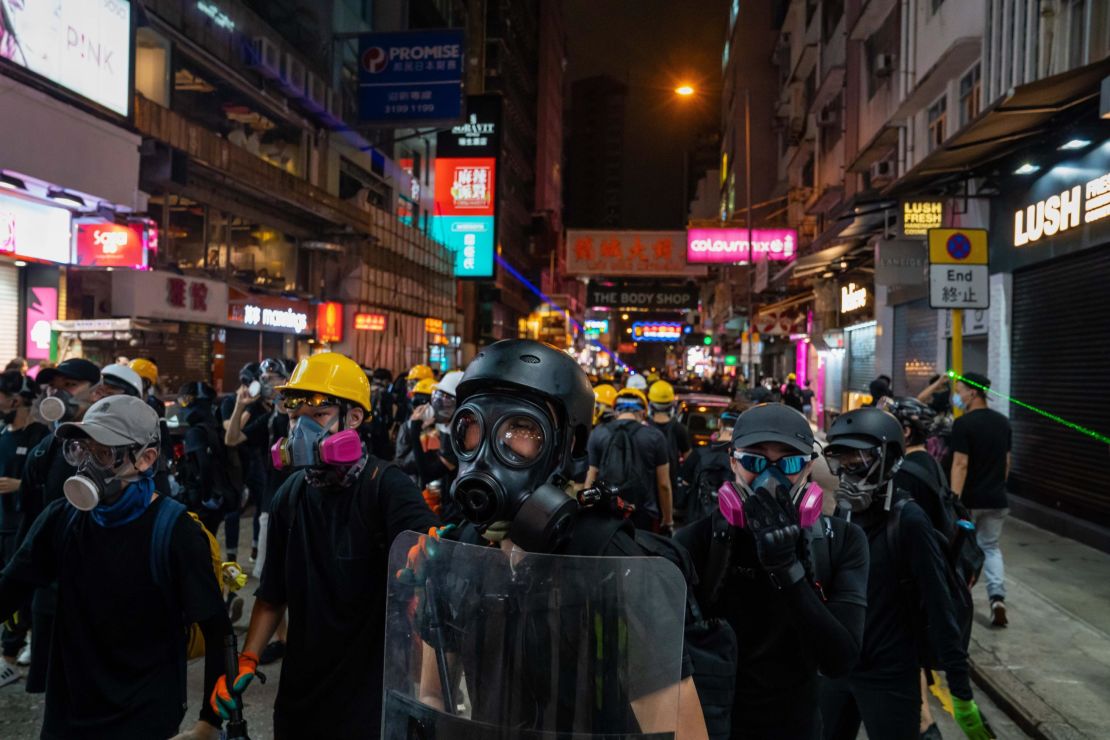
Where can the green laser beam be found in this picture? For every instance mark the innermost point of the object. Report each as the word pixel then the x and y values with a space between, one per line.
pixel 1069 424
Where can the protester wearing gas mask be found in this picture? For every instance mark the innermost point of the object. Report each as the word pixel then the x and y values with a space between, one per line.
pixel 524 413
pixel 908 597
pixel 66 394
pixel 790 583
pixel 436 462
pixel 329 531
pixel 201 471
pixel 247 426
pixel 115 669
pixel 420 421
pixel 19 436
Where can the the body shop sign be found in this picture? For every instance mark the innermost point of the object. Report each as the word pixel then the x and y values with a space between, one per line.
pixel 81 45
pixel 34 231
pixel 730 245
pixel 107 244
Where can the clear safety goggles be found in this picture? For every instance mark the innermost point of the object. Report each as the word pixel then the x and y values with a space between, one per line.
pixel 850 461
pixel 80 452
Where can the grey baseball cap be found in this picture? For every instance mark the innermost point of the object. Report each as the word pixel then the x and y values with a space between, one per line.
pixel 116 421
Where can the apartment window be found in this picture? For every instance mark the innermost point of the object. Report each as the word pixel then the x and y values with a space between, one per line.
pixel 938 113
pixel 971 91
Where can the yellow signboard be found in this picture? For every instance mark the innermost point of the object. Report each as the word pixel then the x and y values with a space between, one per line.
pixel 918 216
pixel 958 247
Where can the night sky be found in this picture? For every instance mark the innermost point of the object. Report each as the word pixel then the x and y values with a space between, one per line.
pixel 652 46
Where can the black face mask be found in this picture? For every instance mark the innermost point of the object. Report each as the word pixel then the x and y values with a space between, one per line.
pixel 509 453
pixel 8 417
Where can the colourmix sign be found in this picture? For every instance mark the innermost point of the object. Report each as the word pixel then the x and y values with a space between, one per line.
pixel 730 245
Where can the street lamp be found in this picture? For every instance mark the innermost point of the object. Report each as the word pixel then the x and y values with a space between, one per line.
pixel 684 90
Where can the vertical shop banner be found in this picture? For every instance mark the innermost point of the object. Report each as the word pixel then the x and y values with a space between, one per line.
pixel 410 76
pixel 329 322
pixel 41 300
pixel 465 211
pixel 81 45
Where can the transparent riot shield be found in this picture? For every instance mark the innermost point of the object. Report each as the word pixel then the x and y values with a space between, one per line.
pixel 484 643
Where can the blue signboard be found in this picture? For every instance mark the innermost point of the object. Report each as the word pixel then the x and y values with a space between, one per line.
pixel 471 239
pixel 410 76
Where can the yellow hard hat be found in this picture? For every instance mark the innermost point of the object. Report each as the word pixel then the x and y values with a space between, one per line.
pixel 425 385
pixel 661 392
pixel 146 369
pixel 332 374
pixel 652 377
pixel 791 376
pixel 605 394
pixel 420 372
pixel 632 393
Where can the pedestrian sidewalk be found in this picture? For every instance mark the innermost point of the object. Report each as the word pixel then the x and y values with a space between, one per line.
pixel 1050 669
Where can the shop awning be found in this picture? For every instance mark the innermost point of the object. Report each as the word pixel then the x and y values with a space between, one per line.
pixel 1026 112
pixel 813 264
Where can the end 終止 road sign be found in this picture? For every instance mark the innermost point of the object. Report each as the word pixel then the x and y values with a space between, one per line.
pixel 959 270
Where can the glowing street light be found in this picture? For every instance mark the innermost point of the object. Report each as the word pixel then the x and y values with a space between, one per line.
pixel 684 90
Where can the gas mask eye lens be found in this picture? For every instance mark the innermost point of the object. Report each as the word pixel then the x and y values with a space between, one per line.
pixel 467 432
pixel 520 439
pixel 851 462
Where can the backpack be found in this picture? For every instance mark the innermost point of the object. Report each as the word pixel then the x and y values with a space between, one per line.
pixel 961 592
pixel 622 467
pixel 962 551
pixel 703 493
pixel 220 487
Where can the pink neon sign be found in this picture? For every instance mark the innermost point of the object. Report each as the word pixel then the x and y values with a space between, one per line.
pixel 731 245
pixel 42 310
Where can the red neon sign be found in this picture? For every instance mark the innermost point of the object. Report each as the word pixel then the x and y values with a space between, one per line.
pixel 106 244
pixel 370 322
pixel 329 322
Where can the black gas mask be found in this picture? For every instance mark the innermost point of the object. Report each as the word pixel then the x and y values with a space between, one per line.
pixel 510 457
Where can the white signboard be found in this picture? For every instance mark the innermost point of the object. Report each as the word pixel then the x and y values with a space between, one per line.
pixel 81 45
pixel 35 230
pixel 165 295
pixel 959 286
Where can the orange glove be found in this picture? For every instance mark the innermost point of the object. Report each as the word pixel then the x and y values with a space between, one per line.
pixel 413 574
pixel 429 441
pixel 432 499
pixel 224 701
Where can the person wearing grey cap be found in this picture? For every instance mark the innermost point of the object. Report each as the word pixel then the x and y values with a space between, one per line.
pixel 70 389
pixel 117 666
pixel 791 584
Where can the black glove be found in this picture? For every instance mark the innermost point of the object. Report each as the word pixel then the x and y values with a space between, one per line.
pixel 773 521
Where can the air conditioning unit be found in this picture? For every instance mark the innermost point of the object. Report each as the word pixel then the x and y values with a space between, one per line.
pixel 884 65
pixel 882 172
pixel 264 57
pixel 315 93
pixel 827 117
pixel 293 76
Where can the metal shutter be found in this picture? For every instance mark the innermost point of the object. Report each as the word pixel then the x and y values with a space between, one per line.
pixel 861 357
pixel 1060 364
pixel 182 358
pixel 9 308
pixel 915 346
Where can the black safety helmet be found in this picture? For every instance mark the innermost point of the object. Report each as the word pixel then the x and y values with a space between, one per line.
pixel 538 370
pixel 199 391
pixel 913 414
pixel 15 383
pixel 251 372
pixel 773 422
pixel 866 429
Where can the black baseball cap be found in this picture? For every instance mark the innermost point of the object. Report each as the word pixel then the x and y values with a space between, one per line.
pixel 773 422
pixel 75 368
pixel 976 381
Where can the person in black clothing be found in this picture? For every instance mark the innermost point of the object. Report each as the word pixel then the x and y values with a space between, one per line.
pixel 879 388
pixel 793 592
pixel 436 462
pixel 198 469
pixel 520 434
pixel 117 666
pixel 19 436
pixel 329 532
pixel 662 400
pixel 865 448
pixel 417 425
pixel 66 395
pixel 381 427
pixel 791 394
pixel 713 467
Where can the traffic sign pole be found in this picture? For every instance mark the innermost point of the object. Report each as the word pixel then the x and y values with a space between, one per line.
pixel 957 346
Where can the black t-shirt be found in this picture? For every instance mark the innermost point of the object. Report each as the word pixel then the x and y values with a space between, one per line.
pixel 651 449
pixel 922 493
pixel 779 648
pixel 327 562
pixel 15 446
pixel 891 641
pixel 678 445
pixel 984 436
pixel 117 667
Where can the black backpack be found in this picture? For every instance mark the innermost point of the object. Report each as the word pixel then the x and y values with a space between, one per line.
pixel 960 547
pixel 957 587
pixel 621 465
pixel 703 493
pixel 220 488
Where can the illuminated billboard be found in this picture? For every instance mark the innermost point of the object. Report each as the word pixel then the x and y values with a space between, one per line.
pixel 730 245
pixel 81 45
pixel 656 331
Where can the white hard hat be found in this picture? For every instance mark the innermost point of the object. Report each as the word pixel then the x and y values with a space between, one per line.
pixel 119 375
pixel 639 382
pixel 449 382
